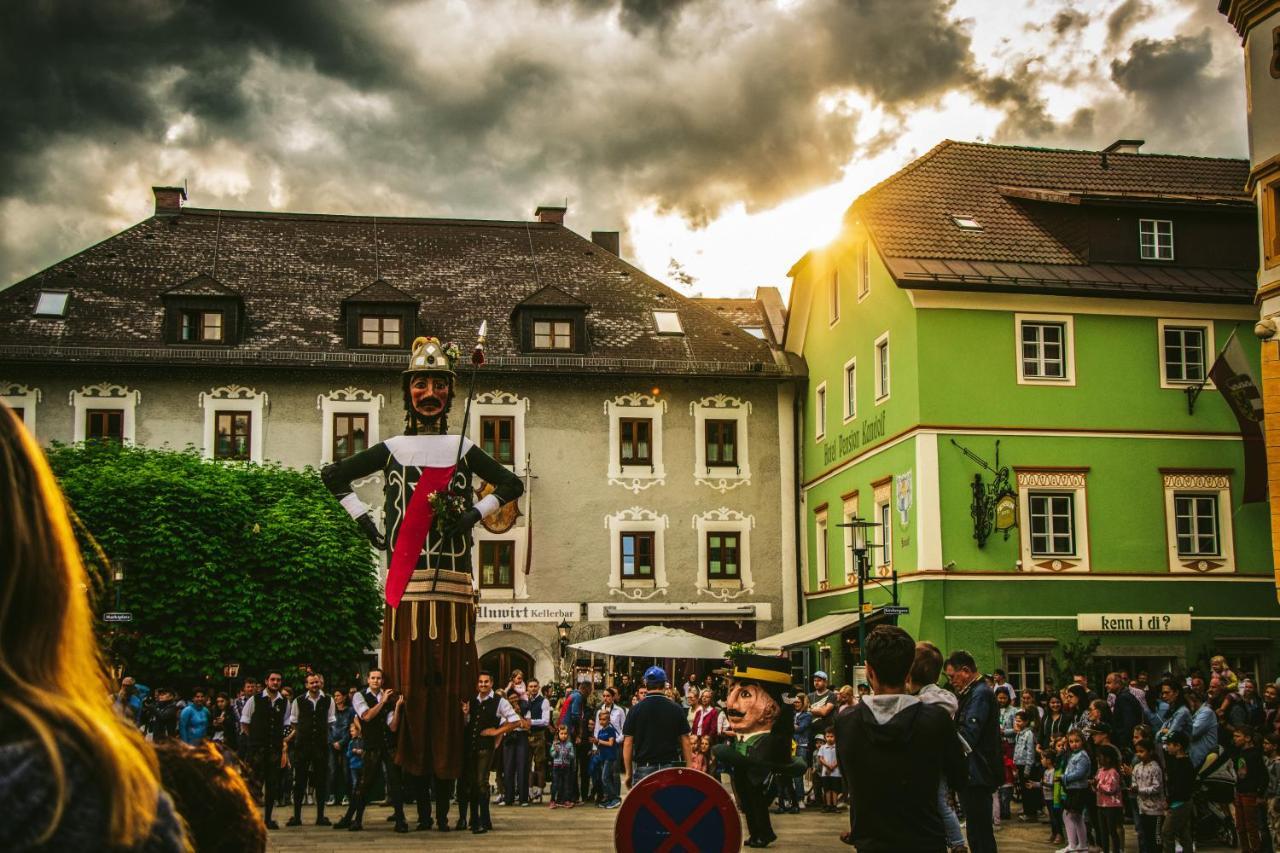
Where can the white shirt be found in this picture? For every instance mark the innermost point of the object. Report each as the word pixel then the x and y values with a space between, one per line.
pixel 543 719
pixel 291 715
pixel 247 714
pixel 617 717
pixel 360 706
pixel 506 713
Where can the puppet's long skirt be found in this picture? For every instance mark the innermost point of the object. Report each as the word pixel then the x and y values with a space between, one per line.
pixel 429 654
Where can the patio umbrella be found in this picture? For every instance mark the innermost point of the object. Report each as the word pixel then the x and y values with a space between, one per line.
pixel 656 641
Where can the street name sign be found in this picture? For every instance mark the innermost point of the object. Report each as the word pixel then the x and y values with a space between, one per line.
pixel 896 610
pixel 117 616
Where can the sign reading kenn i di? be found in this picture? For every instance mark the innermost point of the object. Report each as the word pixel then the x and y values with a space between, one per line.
pixel 1133 622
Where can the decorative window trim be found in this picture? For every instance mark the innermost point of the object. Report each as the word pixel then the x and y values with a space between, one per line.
pixel 725 408
pixel 885 382
pixel 883 497
pixel 635 477
pixel 822 547
pixel 1071 481
pixel 850 409
pixel 502 404
pixel 637 520
pixel 1217 483
pixel 349 400
pixel 18 396
pixel 235 398
pixel 849 511
pixel 1068 322
pixel 106 395
pixel 833 297
pixel 1210 350
pixel 725 520
pixel 820 411
pixel 518 535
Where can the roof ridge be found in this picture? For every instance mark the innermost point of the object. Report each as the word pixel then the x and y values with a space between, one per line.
pixel 907 168
pixel 1045 149
pixel 365 217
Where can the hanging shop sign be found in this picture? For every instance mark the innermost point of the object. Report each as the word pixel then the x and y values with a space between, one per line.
pixel 508 611
pixel 1133 623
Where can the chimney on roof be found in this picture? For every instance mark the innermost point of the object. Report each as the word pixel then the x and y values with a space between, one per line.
pixel 547 213
pixel 169 200
pixel 1124 146
pixel 607 240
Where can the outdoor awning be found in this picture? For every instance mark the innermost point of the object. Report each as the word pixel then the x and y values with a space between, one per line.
pixel 808 632
pixel 655 641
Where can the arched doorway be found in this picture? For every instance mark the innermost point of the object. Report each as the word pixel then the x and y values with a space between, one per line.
pixel 500 663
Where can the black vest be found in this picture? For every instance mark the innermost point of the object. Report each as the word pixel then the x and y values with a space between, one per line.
pixel 535 711
pixel 266 726
pixel 484 715
pixel 375 731
pixel 312 723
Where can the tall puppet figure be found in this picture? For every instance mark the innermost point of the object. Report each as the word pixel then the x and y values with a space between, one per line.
pixel 762 724
pixel 428 633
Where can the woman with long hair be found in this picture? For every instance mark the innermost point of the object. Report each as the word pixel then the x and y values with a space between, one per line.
pixel 73 774
pixel 1056 723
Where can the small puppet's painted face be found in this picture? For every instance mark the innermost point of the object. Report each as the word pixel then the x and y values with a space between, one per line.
pixel 429 394
pixel 750 709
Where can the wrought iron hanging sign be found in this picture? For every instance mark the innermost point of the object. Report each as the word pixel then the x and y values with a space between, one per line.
pixel 995 505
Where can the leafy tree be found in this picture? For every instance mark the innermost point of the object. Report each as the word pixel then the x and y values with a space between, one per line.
pixel 223 562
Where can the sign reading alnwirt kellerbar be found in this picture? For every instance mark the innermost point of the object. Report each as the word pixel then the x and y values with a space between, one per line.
pixel 514 611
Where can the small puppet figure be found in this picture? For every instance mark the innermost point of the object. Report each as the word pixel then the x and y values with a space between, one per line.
pixel 428 632
pixel 762 723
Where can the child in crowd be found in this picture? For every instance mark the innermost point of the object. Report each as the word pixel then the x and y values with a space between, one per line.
pixel 607 773
pixel 1110 799
pixel 1002 805
pixel 1026 761
pixel 1251 787
pixel 701 757
pixel 1230 682
pixel 1179 784
pixel 355 766
pixel 1271 751
pixel 829 773
pixel 562 771
pixel 1051 790
pixel 1075 785
pixel 1148 783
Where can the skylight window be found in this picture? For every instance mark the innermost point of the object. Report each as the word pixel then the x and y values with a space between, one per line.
pixel 966 223
pixel 668 323
pixel 754 331
pixel 52 303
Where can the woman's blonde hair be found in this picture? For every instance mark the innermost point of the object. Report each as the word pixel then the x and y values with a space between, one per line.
pixel 53 682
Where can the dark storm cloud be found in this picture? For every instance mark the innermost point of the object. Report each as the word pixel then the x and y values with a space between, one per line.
pixel 1157 68
pixel 1124 17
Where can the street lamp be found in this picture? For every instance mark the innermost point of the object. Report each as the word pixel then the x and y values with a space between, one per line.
pixel 563 629
pixel 117 576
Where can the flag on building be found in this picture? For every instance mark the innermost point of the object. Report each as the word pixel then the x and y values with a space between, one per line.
pixel 1234 377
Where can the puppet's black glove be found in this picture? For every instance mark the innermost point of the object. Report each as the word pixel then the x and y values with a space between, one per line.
pixel 370 529
pixel 461 526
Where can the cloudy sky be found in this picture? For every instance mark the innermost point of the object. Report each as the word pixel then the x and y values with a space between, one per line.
pixel 723 139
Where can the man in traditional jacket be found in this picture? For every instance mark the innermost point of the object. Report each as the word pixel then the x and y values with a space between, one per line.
pixel 310 715
pixel 428 632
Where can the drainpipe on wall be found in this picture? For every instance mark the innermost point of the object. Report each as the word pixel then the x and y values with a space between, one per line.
pixel 797 421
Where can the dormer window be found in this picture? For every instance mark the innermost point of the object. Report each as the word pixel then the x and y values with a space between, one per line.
pixel 1155 239
pixel 381 330
pixel 52 303
pixel 201 327
pixel 553 335
pixel 668 323
pixel 966 223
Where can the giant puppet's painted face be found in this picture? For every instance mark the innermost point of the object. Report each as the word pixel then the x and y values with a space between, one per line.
pixel 429 395
pixel 750 708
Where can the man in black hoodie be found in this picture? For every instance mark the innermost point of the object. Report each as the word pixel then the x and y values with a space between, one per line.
pixel 893 751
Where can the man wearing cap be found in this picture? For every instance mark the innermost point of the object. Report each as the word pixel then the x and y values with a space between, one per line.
pixel 428 631
pixel 656 732
pixel 763 723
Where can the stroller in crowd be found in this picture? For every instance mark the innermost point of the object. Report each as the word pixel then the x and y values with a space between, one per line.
pixel 1215 791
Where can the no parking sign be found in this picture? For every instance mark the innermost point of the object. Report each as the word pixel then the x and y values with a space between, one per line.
pixel 678 810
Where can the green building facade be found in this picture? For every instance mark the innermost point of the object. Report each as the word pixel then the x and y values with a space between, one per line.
pixel 961 309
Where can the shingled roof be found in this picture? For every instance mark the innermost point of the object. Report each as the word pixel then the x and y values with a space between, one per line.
pixel 1026 201
pixel 293 272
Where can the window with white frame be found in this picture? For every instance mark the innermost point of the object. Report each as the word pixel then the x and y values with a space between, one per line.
pixel 637 551
pixel 233 422
pixel 724 552
pixel 1198 521
pixel 498 562
pixel 853 536
pixel 864 269
pixel 821 547
pixel 850 389
pixel 1054 534
pixel 635 441
pixel 104 407
pixel 1185 349
pixel 348 422
pixel 882 558
pixel 22 399
pixel 1046 351
pixel 1025 668
pixel 834 295
pixel 820 411
pixel 720 451
pixel 497 421
pixel 882 368
pixel 1155 239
